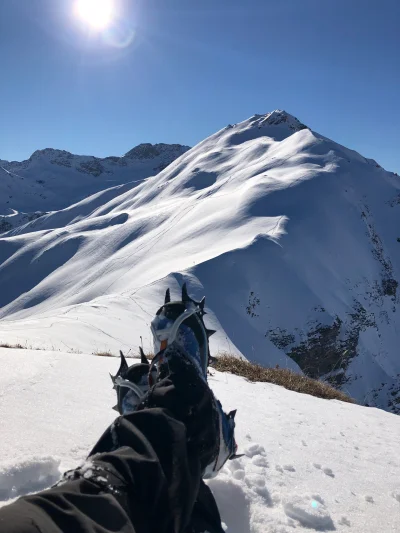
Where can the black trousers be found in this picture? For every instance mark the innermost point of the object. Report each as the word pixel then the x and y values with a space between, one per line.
pixel 143 475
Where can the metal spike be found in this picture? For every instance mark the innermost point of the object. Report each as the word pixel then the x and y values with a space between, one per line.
pixel 116 408
pixel 236 456
pixel 232 414
pixel 185 295
pixel 167 297
pixel 202 303
pixel 113 379
pixel 210 332
pixel 123 367
pixel 143 358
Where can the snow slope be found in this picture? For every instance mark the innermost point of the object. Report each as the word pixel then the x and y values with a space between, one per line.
pixel 54 179
pixel 309 464
pixel 292 237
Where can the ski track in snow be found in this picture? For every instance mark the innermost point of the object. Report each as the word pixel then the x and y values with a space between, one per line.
pixel 308 464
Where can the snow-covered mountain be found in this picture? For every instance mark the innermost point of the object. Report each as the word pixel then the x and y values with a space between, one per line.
pixel 54 179
pixel 309 464
pixel 293 238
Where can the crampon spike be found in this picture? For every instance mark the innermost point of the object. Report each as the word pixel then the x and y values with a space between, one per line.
pixel 210 332
pixel 167 297
pixel 185 295
pixel 123 367
pixel 232 414
pixel 143 358
pixel 236 456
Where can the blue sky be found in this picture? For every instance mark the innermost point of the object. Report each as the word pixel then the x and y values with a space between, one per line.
pixel 191 68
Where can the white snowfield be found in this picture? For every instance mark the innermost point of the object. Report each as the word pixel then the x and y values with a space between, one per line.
pixel 292 238
pixel 54 179
pixel 309 464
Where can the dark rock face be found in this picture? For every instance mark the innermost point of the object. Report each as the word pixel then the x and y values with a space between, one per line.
pixel 325 350
pixel 95 168
pixel 4 225
pixel 167 152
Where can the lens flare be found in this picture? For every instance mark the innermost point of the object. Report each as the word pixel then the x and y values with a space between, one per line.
pixel 98 14
pixel 119 34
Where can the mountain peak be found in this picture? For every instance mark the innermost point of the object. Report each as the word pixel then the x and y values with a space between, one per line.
pixel 277 125
pixel 278 117
pixel 49 152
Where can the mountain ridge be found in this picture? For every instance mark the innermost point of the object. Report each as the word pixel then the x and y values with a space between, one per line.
pixel 157 148
pixel 53 179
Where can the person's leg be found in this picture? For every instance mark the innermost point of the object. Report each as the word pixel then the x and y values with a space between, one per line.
pixel 205 515
pixel 143 475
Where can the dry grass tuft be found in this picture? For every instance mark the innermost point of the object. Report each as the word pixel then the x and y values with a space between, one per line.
pixel 279 376
pixel 225 362
pixel 15 346
pixel 104 354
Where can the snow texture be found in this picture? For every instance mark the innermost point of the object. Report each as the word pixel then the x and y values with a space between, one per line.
pixel 292 237
pixel 309 464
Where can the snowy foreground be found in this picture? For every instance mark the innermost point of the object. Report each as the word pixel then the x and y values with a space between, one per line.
pixel 309 464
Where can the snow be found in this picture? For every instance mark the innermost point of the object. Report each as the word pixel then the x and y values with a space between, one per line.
pixel 291 236
pixel 309 464
pixel 54 179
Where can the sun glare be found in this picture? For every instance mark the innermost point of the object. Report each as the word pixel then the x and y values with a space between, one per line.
pixel 96 13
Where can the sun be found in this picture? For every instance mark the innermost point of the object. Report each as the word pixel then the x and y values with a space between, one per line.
pixel 96 13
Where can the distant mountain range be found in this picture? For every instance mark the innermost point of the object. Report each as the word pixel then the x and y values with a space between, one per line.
pixel 54 179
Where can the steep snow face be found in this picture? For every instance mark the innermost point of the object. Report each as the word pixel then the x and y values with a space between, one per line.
pixel 308 464
pixel 292 237
pixel 54 179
